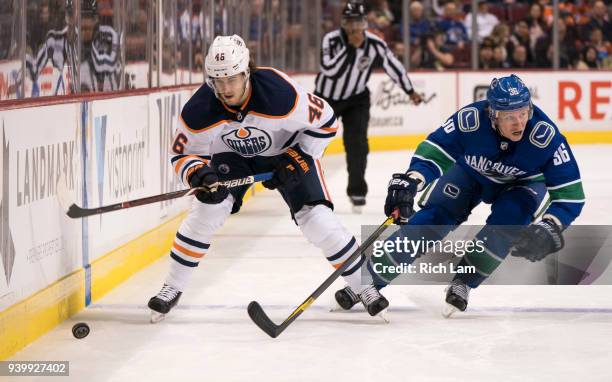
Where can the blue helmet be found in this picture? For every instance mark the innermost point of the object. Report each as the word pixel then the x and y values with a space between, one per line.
pixel 508 93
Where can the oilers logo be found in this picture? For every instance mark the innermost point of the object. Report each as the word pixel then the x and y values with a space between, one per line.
pixel 248 141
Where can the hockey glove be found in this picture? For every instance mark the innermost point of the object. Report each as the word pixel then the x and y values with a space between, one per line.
pixel 538 241
pixel 206 176
pixel 289 170
pixel 400 197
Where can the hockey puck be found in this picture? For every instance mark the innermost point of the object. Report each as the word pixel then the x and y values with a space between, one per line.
pixel 80 330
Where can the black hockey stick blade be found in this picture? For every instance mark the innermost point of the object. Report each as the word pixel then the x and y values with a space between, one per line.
pixel 75 211
pixel 261 319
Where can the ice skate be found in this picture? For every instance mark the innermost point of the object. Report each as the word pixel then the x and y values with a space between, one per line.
pixel 163 302
pixel 457 294
pixel 345 299
pixel 357 204
pixel 375 303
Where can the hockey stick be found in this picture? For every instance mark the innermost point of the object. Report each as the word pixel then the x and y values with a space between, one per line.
pixel 261 319
pixel 75 211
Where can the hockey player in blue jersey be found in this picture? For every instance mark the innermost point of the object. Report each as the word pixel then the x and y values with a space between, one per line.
pixel 502 151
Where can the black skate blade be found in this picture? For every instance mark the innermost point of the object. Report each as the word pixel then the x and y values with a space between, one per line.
pixel 261 319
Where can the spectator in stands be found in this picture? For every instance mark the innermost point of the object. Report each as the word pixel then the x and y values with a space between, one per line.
pixel 588 59
pixel 604 48
pixel 547 10
pixel 581 12
pixel 380 18
pixel 519 58
pixel 536 23
pixel 434 54
pixel 501 37
pixel 500 60
pixel 600 19
pixel 419 25
pixel 485 20
pixel 485 54
pixel 521 37
pixel 450 23
pixel 331 10
pixel 567 48
pixel 257 28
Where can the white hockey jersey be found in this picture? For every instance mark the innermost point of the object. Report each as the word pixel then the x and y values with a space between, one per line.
pixel 277 114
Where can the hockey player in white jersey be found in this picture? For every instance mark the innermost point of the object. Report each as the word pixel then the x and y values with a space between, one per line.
pixel 243 121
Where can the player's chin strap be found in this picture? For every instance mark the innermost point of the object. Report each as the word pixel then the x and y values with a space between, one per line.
pixel 247 75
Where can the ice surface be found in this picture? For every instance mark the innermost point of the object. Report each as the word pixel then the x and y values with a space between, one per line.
pixel 509 333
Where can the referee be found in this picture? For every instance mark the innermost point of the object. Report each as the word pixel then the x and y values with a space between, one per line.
pixel 347 57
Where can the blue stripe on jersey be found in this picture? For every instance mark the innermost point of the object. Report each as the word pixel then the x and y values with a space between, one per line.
pixel 192 242
pixel 319 135
pixel 330 122
pixel 344 250
pixel 290 140
pixel 183 261
pixel 177 157
pixel 186 166
pixel 354 268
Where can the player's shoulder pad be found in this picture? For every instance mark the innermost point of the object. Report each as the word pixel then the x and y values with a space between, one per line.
pixel 472 117
pixel 203 110
pixel 274 95
pixel 542 131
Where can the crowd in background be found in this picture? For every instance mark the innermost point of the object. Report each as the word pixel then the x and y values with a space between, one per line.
pixel 55 47
pixel 511 33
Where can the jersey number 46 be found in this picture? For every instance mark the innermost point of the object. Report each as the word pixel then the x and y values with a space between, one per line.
pixel 315 108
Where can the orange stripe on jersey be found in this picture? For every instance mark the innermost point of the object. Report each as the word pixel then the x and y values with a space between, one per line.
pixel 191 170
pixel 331 128
pixel 228 108
pixel 321 175
pixel 197 131
pixel 338 265
pixel 187 252
pixel 181 162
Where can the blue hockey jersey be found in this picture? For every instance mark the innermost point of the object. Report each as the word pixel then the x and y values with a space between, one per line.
pixel 469 140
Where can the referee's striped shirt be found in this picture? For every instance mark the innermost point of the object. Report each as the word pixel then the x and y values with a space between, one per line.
pixel 345 70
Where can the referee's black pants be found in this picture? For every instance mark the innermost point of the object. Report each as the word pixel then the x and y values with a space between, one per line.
pixel 355 114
